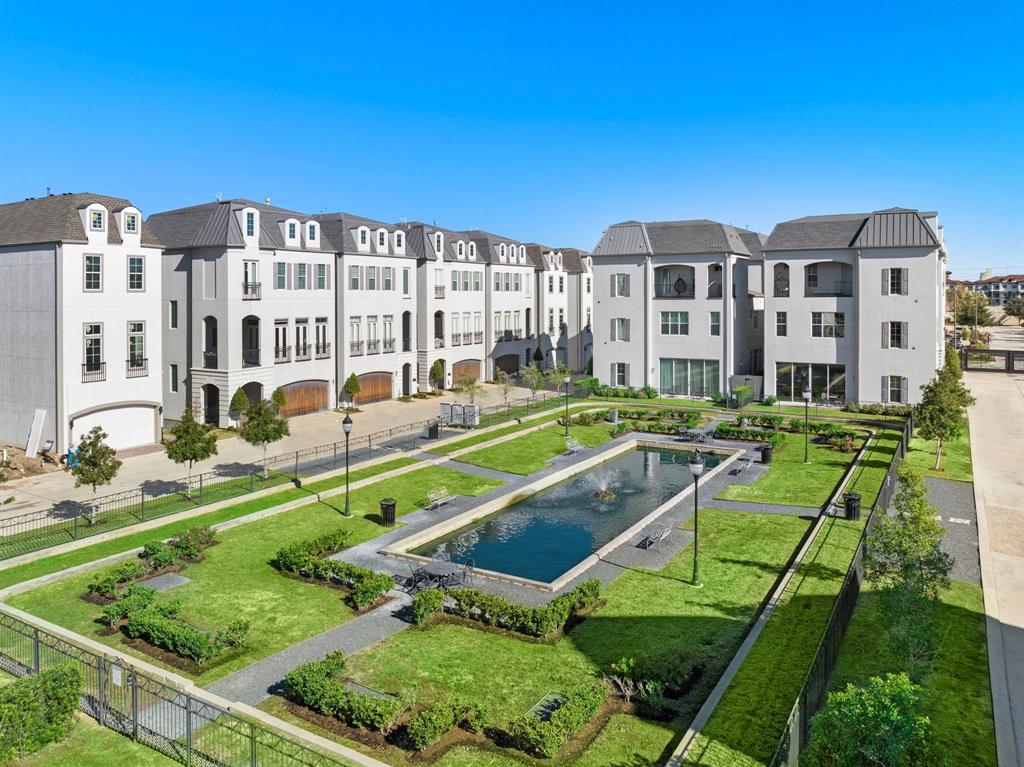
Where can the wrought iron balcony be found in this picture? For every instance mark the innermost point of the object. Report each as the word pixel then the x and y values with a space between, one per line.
pixel 837 289
pixel 389 345
pixel 456 339
pixel 323 351
pixel 355 348
pixel 373 347
pixel 303 352
pixel 467 338
pixel 136 368
pixel 282 354
pixel 250 357
pixel 478 336
pixel 251 291
pixel 782 288
pixel 439 291
pixel 715 290
pixel 210 360
pixel 94 371
pixel 406 344
pixel 684 290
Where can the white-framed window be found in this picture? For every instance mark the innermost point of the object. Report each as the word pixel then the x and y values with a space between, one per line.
pixel 280 275
pixel 131 223
pixel 250 223
pixel 96 220
pixel 522 253
pixel 398 240
pixel 388 278
pixel 588 285
pixel 136 343
pixel 371 278
pixel 301 277
pixel 551 321
pixel 354 328
pixel 518 326
pixel 92 351
pixel 812 275
pixel 620 329
pixel 455 279
pixel 472 251
pixel 136 273
pixel 478 321
pixel 438 242
pixel 620 285
pixel 620 374
pixel 781 326
pixel 172 312
pixel 461 249
pixel 363 237
pixel 497 323
pixel 405 282
pixel 291 230
pixel 828 325
pixel 716 323
pixel 466 277
pixel 382 238
pixel 93 272
pixel 478 281
pixel 517 282
pixel 894 335
pixel 353 277
pixel 497 280
pixel 561 284
pixel 551 283
pixel 501 251
pixel 894 282
pixel 675 323
pixel 508 281
pixel 894 389
pixel 311 232
pixel 561 319
pixel 321 276
pixel 174 377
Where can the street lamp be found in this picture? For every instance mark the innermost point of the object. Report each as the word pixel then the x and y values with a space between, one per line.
pixel 347 426
pixel 807 405
pixel 567 380
pixel 696 468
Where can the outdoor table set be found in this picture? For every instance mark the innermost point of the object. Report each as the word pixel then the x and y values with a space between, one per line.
pixel 440 572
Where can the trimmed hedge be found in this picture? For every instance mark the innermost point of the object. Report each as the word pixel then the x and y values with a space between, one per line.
pixel 106 581
pixel 495 610
pixel 156 555
pixel 432 722
pixel 731 431
pixel 158 625
pixel 426 603
pixel 878 409
pixel 307 558
pixel 773 422
pixel 134 598
pixel 826 429
pixel 537 736
pixel 38 710
pixel 294 558
pixel 315 686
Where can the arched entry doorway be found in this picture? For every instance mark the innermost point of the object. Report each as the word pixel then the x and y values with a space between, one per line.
pixel 464 371
pixel 406 379
pixel 211 404
pixel 254 391
pixel 508 363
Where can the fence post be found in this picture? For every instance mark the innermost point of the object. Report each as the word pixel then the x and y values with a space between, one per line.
pixel 296 464
pixel 334 464
pixel 252 480
pixel 369 446
pixel 142 504
pixel 188 730
pixel 101 667
pixel 35 650
pixel 134 681
pixel 200 489
pixel 74 532
pixel 252 744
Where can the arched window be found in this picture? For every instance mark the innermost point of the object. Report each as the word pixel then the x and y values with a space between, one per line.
pixel 382 238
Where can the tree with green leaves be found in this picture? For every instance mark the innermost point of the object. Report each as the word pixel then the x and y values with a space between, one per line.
pixel 506 384
pixel 940 416
pixel 351 388
pixel 880 725
pixel 239 403
pixel 194 441
pixel 556 374
pixel 96 465
pixel 971 308
pixel 470 388
pixel 263 426
pixel 533 377
pixel 437 374
pixel 278 399
pixel 1015 308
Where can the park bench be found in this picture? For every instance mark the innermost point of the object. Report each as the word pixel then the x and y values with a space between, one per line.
pixel 438 497
pixel 572 446
pixel 656 535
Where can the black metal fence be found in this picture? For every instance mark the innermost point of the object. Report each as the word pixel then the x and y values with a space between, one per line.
pixel 181 726
pixel 815 687
pixel 995 360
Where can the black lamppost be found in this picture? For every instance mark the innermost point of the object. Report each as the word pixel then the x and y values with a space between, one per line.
pixel 807 431
pixel 696 468
pixel 567 380
pixel 347 426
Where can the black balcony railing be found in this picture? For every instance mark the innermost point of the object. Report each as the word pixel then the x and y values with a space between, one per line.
pixel 137 367
pixel 456 339
pixel 250 357
pixel 389 345
pixel 467 339
pixel 94 371
pixel 406 344
pixel 282 354
pixel 251 291
pixel 478 336
pixel 373 347
pixel 670 291
pixel 323 351
pixel 837 289
pixel 210 360
pixel 303 352
pixel 782 288
pixel 715 290
pixel 355 348
pixel 439 291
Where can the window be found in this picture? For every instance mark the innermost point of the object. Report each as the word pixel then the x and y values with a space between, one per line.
pixel 551 321
pixel 472 250
pixel 894 335
pixel 371 329
pixel 354 324
pixel 620 374
pixel 478 319
pixel 497 324
pixel 93 350
pixel 311 235
pixel 136 343
pixel 518 326
pixel 438 242
pixel 362 237
pixel 174 377
pixel 894 389
pixel 561 319
pixel 501 251
pixel 561 284
pixel 291 230
pixel 508 281
pixel 551 283
pixel 517 282
pixel 280 275
pixel 497 280
pixel 93 272
pixel 131 223
pixel 620 285
pixel 250 224
pixel 136 273
pixel 381 238
pixel 620 329
pixel 301 277
pixel 522 253
pixel 321 276
pixel 398 240
pixel 478 280
pixel 405 282
pixel 353 278
pixel 588 286
pixel 321 336
pixel 827 325
pixel 96 220
pixel 465 280
pixel 812 276
pixel 688 377
pixel 897 282
pixel 461 249
pixel 675 323
pixel 173 315
pixel 780 324
pixel 455 279
pixel 388 277
pixel 716 323
pixel 827 383
pixel 371 278
pixel 281 339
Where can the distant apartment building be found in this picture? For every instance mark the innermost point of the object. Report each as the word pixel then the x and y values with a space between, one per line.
pixel 80 290
pixel 510 303
pixel 249 303
pixel 998 289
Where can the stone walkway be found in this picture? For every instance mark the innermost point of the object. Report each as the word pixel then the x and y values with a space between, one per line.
pixel 954 501
pixel 254 684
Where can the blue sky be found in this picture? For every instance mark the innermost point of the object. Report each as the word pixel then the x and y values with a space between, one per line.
pixel 543 121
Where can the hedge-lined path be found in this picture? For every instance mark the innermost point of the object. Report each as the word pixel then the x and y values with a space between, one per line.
pixel 254 684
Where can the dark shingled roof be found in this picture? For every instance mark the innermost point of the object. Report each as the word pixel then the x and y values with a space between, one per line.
pixel 890 228
pixel 340 230
pixel 572 258
pixel 677 238
pixel 56 218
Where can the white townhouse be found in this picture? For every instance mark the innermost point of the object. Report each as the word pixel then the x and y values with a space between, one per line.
pixel 376 306
pixel 248 304
pixel 509 337
pixel 564 304
pixel 579 308
pixel 673 307
pixel 450 283
pixel 80 307
pixel 854 306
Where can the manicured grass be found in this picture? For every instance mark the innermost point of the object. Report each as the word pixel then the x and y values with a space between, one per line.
pixel 956 458
pixel 58 562
pixel 236 581
pixel 791 482
pixel 90 745
pixel 869 476
pixel 530 452
pixel 745 727
pixel 777 409
pixel 958 700
pixel 512 428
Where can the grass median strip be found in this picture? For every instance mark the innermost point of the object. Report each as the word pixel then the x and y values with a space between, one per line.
pixel 477 439
pixel 531 452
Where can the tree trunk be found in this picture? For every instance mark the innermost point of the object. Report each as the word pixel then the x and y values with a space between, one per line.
pixel 938 452
pixel 266 469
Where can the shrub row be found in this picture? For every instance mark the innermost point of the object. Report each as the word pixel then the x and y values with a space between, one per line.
pixel 825 429
pixel 106 581
pixel 879 409
pixel 294 558
pixel 596 387
pixel 307 558
pixel 430 723
pixel 156 555
pixel 158 625
pixel 773 422
pixel 316 686
pixel 38 710
pixel 132 599
pixel 426 603
pixel 731 431
pixel 544 737
pixel 539 621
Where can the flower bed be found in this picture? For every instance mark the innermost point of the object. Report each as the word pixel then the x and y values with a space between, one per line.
pixel 543 737
pixel 156 556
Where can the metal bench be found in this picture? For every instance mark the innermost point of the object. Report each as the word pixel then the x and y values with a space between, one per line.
pixel 572 446
pixel 438 497
pixel 657 535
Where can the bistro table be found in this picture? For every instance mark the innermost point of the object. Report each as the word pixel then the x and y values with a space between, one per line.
pixel 441 568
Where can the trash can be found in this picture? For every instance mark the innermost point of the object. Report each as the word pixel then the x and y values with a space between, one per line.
pixel 766 453
pixel 387 511
pixel 434 431
pixel 851 502
pixel 613 416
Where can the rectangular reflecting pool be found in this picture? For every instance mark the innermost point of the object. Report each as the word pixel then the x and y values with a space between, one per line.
pixel 548 533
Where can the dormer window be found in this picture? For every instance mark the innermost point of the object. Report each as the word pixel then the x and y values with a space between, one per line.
pixel 291 230
pixel 522 254
pixel 131 223
pixel 364 238
pixel 501 251
pixel 438 243
pixel 96 220
pixel 250 223
pixel 382 238
pixel 559 257
pixel 461 249
pixel 311 233
pixel 472 250
pixel 398 239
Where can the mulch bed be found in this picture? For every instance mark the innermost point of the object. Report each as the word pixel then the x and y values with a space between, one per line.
pixel 173 660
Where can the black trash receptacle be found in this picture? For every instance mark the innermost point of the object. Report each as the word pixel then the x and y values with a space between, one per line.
pixel 434 431
pixel 766 453
pixel 851 502
pixel 387 511
pixel 613 416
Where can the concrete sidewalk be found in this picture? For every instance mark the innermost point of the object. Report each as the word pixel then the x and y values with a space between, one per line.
pixel 997 449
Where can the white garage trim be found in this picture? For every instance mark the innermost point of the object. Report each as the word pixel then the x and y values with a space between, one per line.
pixel 127 424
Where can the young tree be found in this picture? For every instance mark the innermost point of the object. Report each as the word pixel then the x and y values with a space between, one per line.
pixel 278 400
pixel 880 724
pixel 506 384
pixel 263 426
pixel 437 374
pixel 470 388
pixel 942 410
pixel 1015 308
pixel 97 463
pixel 194 441
pixel 239 404
pixel 533 377
pixel 555 375
pixel 972 308
pixel 351 388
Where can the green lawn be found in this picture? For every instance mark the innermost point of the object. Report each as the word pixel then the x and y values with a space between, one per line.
pixel 58 562
pixel 791 482
pixel 869 476
pixel 956 458
pixel 236 580
pixel 745 727
pixel 90 745
pixel 481 437
pixel 646 613
pixel 531 452
pixel 958 700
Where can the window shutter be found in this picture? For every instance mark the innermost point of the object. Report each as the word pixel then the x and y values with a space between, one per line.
pixel 327 277
pixel 903 389
pixel 612 290
pixel 885 335
pixel 625 285
pixel 885 282
pixel 885 388
pixel 288 269
pixel 904 334
pixel 627 373
pixel 611 378
pixel 309 277
pixel 905 282
pixel 625 330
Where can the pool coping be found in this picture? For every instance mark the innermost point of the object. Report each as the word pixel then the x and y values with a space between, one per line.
pixel 400 548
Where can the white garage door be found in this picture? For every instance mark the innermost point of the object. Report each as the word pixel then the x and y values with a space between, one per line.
pixel 125 426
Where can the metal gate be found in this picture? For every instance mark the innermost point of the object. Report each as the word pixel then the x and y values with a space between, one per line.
pixel 992 360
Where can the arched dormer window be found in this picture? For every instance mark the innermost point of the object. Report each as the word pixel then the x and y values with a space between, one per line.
pixel 559 257
pixel 438 243
pixel 363 238
pixel 472 251
pixel 291 231
pixel 250 222
pixel 501 251
pixel 131 222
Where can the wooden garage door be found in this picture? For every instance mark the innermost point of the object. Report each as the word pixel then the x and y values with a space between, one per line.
pixel 304 397
pixel 507 362
pixel 373 387
pixel 465 369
